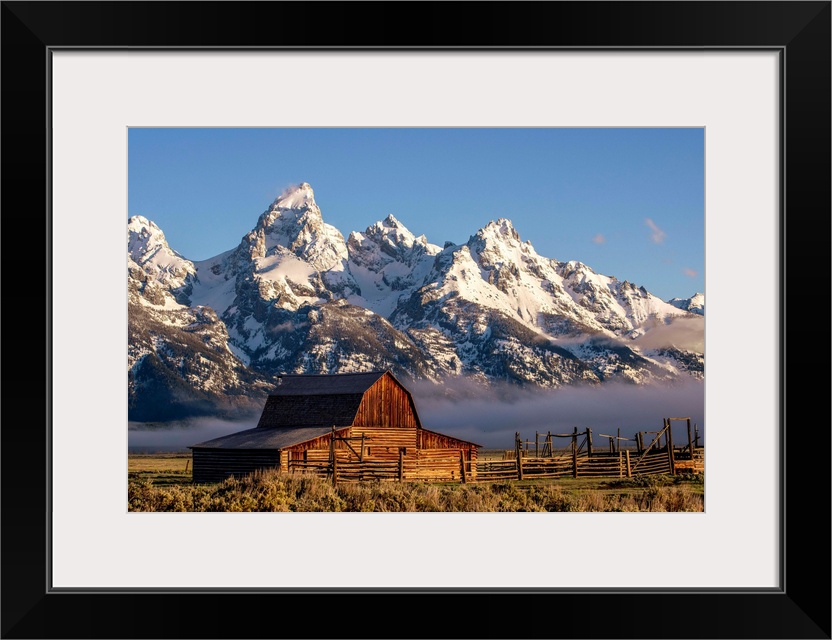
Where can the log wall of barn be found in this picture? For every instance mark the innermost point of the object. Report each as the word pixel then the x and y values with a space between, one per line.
pixel 215 465
pixel 385 443
pixel 381 444
pixel 386 404
pixel 321 443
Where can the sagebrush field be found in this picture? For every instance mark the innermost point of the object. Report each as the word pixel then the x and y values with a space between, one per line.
pixel 163 482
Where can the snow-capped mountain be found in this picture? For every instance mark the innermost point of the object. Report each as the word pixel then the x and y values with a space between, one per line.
pixel 694 304
pixel 386 263
pixel 295 297
pixel 164 273
pixel 179 363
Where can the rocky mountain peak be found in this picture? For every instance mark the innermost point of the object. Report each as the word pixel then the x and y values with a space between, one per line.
pixel 502 227
pixel 391 221
pixel 294 223
pixel 497 236
pixel 694 304
pixel 142 236
pixel 151 258
pixel 395 239
pixel 300 196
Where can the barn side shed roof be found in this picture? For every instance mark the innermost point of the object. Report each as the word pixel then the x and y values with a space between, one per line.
pixel 445 435
pixel 259 438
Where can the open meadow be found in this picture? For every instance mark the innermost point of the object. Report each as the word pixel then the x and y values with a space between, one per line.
pixel 164 482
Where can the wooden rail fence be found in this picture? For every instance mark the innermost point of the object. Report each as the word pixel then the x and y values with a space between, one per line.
pixel 578 460
pixel 422 464
pixel 541 459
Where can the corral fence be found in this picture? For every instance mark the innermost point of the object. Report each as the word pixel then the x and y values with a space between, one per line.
pixel 539 458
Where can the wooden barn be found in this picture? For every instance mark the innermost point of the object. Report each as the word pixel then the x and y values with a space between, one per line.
pixel 348 426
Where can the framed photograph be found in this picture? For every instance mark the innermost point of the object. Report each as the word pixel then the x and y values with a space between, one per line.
pixel 78 78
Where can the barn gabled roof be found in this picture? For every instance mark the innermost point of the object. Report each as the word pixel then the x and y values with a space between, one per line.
pixel 326 385
pixel 286 411
pixel 259 438
pixel 318 400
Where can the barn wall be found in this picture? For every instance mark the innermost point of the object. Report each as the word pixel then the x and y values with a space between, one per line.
pixel 319 443
pixel 390 464
pixel 380 443
pixel 385 443
pixel 215 465
pixel 386 404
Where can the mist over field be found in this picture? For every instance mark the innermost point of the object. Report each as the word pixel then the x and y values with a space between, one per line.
pixel 490 417
pixel 150 437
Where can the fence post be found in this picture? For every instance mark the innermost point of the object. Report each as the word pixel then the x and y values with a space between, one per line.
pixel 574 461
pixel 518 445
pixel 462 465
pixel 669 442
pixel 331 454
pixel 620 459
pixel 401 464
pixel 334 470
pixel 690 442
pixel 629 470
pixel 588 442
pixel 574 452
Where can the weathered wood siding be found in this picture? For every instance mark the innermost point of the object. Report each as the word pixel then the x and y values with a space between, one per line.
pixel 320 443
pixel 215 465
pixel 433 464
pixel 386 404
pixel 385 443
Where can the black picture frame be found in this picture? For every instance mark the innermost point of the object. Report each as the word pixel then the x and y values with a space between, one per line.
pixel 800 608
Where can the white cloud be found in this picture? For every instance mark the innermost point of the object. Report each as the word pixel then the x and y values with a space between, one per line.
pixel 682 333
pixel 656 235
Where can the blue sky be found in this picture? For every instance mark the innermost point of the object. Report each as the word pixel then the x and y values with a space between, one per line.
pixel 628 203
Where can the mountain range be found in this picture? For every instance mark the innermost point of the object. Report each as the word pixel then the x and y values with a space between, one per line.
pixel 296 296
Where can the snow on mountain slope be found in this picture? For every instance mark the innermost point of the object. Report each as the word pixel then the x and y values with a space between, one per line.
pixel 148 250
pixel 159 276
pixel 293 223
pixel 496 269
pixel 386 262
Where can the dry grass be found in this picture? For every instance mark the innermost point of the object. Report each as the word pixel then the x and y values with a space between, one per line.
pixel 271 490
pixel 159 462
